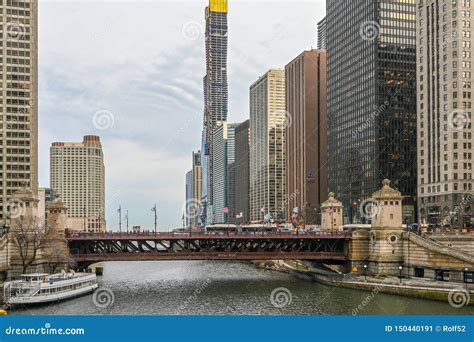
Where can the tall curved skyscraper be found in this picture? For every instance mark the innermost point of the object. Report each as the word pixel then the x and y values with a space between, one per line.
pixel 215 86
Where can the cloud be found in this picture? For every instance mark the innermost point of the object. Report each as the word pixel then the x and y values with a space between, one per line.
pixel 137 62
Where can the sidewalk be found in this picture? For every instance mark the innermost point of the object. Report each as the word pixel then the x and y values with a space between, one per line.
pixel 421 283
pixel 413 287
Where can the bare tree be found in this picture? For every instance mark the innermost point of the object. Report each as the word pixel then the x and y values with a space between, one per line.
pixel 29 236
pixel 57 256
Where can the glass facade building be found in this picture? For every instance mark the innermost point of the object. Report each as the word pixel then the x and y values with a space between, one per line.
pixel 371 48
pixel 214 83
pixel 189 197
pixel 224 158
pixel 242 171
pixel 322 35
pixel 267 146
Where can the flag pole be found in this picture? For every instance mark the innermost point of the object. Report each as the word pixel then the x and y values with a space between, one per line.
pixel 120 218
pixel 156 219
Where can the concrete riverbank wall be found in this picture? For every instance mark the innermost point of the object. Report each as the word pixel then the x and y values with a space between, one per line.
pixel 416 290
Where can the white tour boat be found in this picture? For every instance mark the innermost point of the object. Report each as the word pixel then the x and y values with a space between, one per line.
pixel 41 288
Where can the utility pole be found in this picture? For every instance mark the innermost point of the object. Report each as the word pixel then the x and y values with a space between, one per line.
pixel 127 221
pixel 84 220
pixel 156 218
pixel 7 231
pixel 120 218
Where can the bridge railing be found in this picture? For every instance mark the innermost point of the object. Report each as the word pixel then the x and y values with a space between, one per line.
pixel 164 235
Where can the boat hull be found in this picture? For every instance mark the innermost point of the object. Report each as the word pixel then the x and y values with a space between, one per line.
pixel 50 298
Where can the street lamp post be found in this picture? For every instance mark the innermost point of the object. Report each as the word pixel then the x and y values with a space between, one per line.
pixel 127 222
pixel 120 218
pixel 365 272
pixel 400 268
pixel 354 203
pixel 154 210
pixel 465 277
pixel 6 230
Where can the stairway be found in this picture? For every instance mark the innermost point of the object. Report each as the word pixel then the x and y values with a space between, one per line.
pixel 440 248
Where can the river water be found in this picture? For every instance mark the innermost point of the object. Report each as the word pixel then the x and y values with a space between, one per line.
pixel 227 288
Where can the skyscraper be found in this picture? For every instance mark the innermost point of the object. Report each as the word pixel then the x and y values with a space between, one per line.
pixel 371 48
pixel 197 184
pixel 204 208
pixel 224 158
pixel 78 175
pixel 267 142
pixel 45 197
pixel 445 134
pixel 193 192
pixel 242 171
pixel 190 204
pixel 215 81
pixel 306 134
pixel 19 99
pixel 322 34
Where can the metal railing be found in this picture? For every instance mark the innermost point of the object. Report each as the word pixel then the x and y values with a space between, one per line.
pixel 344 234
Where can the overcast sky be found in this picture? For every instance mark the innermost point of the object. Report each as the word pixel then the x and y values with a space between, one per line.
pixel 131 72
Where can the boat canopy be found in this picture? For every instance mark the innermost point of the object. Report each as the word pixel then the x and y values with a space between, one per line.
pixel 34 277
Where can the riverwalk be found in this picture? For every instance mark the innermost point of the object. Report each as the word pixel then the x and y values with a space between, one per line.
pixel 456 294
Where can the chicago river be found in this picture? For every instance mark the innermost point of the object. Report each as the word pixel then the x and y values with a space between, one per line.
pixel 227 288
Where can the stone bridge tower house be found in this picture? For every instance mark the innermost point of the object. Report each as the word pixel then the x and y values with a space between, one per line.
pixel 385 245
pixel 22 208
pixel 56 251
pixel 331 214
pixel 23 203
pixel 26 222
pixel 57 218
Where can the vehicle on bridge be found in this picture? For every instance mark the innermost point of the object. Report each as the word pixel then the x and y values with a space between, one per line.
pixel 42 288
pixel 232 228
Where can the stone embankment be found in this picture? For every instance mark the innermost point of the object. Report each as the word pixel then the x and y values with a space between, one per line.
pixel 455 293
pixel 418 288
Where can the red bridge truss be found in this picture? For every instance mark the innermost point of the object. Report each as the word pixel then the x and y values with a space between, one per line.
pixel 89 248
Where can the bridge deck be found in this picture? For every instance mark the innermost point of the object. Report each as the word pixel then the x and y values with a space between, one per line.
pixel 88 248
pixel 201 236
pixel 209 256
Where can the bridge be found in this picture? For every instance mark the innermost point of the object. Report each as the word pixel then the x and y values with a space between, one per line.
pixel 89 248
pixel 380 248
